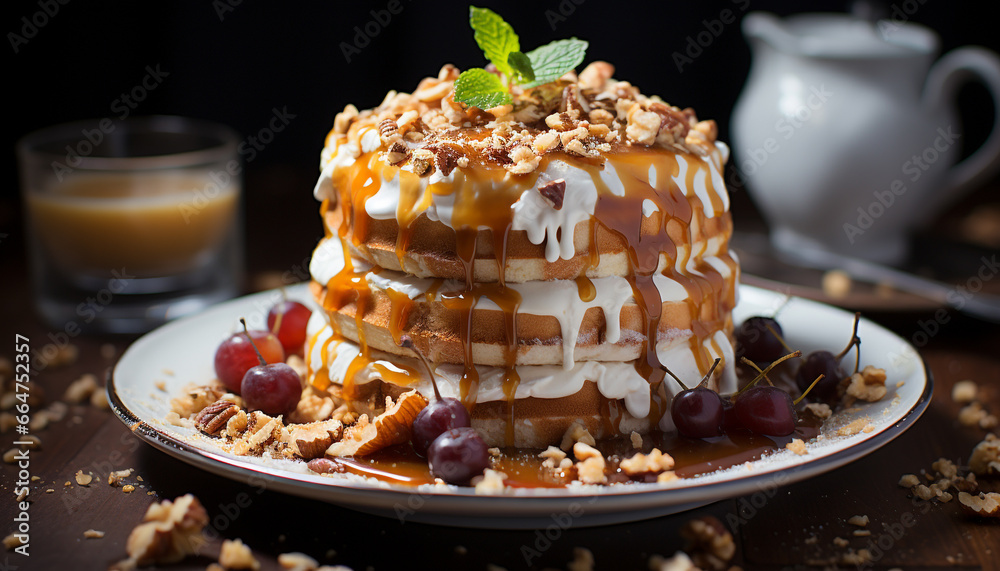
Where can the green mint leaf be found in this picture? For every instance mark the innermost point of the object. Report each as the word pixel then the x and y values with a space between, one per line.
pixel 480 88
pixel 521 66
pixel 554 59
pixel 495 37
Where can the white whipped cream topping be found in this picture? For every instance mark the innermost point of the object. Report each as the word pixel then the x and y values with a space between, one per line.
pixel 615 380
pixel 532 213
pixel 555 298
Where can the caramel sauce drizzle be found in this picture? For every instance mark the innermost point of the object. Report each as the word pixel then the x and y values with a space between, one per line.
pixel 482 201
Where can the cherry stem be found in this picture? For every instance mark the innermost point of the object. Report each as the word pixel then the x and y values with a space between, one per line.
pixel 704 379
pixel 779 338
pixel 675 377
pixel 252 344
pixel 407 343
pixel 784 304
pixel 756 368
pixel 768 369
pixel 803 395
pixel 854 337
pixel 277 324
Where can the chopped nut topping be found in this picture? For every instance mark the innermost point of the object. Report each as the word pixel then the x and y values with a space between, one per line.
pixel 194 400
pixel 555 459
pixel 868 385
pixel 491 482
pixel 797 446
pixel 576 433
pixel 213 418
pixel 853 428
pixel 311 440
pixel 908 481
pixel 590 464
pixel 391 427
pixel 636 439
pixel 553 192
pixel 641 463
pixel 583 560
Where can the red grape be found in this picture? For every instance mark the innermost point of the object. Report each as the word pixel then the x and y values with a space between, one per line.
pixel 697 412
pixel 435 418
pixel 273 389
pixel 766 410
pixel 292 332
pixel 457 455
pixel 235 356
pixel 755 341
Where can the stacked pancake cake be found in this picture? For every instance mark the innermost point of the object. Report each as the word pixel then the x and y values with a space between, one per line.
pixel 549 258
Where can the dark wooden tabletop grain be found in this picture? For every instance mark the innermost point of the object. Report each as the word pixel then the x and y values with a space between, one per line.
pixel 771 534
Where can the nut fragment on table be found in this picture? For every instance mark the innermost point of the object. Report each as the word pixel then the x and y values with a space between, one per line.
pixel 679 562
pixel 297 562
pixel 236 555
pixel 115 478
pixel 710 544
pixel 964 391
pixel 93 534
pixel 171 530
pixel 80 389
pixel 590 464
pixel 985 458
pixel 984 505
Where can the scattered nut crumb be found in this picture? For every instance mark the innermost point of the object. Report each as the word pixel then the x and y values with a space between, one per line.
pixel 797 446
pixel 583 560
pixel 819 410
pixel 115 478
pixel 236 555
pixel 93 534
pixel 840 542
pixel 81 389
pixel 852 428
pixel 653 463
pixel 985 458
pixel 170 532
pixel 908 481
pixel 12 541
pixel 297 562
pixel 964 391
pixel 83 479
pixel 858 520
pixel 636 439
pixel 128 488
pixel 862 533
pixel 985 504
pixel 590 463
pixel 491 482
pixel 577 433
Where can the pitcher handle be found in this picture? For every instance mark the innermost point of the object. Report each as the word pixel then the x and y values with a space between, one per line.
pixel 956 67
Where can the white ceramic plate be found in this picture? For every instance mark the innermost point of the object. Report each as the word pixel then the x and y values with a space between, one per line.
pixel 182 352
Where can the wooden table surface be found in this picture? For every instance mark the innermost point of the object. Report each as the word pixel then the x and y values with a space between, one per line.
pixel 773 536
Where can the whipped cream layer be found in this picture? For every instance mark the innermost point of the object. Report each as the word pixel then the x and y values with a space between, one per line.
pixel 615 380
pixel 401 196
pixel 555 298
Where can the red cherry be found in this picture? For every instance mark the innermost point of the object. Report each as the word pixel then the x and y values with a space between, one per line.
pixel 273 389
pixel 236 355
pixel 766 410
pixel 292 329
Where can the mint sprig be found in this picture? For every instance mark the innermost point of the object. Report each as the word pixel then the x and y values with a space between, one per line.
pixel 483 89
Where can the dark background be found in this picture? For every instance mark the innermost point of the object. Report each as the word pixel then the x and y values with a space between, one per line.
pixel 236 63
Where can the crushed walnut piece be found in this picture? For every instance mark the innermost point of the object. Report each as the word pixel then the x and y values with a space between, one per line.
pixel 679 562
pixel 116 477
pixel 590 464
pixel 491 482
pixel 576 433
pixel 171 530
pixel 236 555
pixel 797 446
pixel 819 410
pixel 194 399
pixel 652 463
pixel 964 392
pixel 312 440
pixel 261 431
pixel 555 459
pixel 983 505
pixel 985 457
pixel 867 385
pixel 81 389
pixel 710 544
pixel 391 427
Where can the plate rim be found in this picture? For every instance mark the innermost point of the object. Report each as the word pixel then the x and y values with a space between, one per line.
pixel 298 483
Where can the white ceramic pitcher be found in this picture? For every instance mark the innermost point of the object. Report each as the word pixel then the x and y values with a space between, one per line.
pixel 846 134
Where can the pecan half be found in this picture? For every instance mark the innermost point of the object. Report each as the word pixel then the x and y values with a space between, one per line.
pixel 554 192
pixel 213 418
